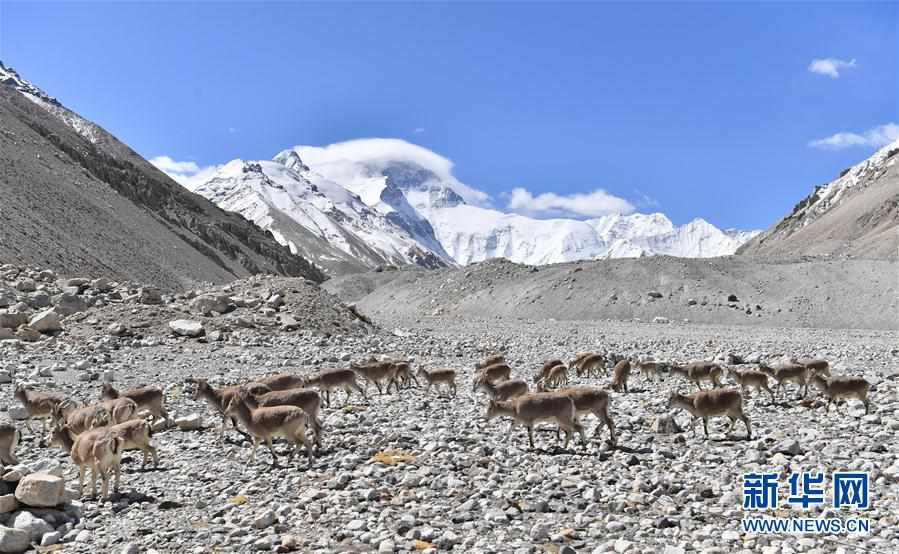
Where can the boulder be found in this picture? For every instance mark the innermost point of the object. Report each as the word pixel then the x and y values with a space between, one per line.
pixel 26 285
pixel 275 301
pixel 149 295
pixel 665 425
pixel 34 526
pixel 208 303
pixel 28 334
pixel 117 329
pixel 101 285
pixel 13 541
pixel 660 319
pixel 6 333
pixel 187 328
pixel 289 323
pixel 46 321
pixel 50 466
pixel 68 304
pixel 41 490
pixel 8 503
pixel 190 422
pixel 39 299
pixel 12 318
pixel 246 301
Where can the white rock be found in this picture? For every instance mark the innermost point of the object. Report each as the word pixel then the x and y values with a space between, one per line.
pixel 41 490
pixel 190 422
pixel 186 327
pixel 35 526
pixel 46 321
pixel 51 538
pixel 264 519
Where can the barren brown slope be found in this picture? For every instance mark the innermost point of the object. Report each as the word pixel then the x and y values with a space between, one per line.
pixel 732 290
pixel 857 214
pixel 97 207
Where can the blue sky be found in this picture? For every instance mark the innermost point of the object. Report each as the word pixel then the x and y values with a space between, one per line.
pixel 695 110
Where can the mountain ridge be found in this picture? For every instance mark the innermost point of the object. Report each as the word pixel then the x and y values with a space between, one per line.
pixel 74 198
pixel 856 214
pixel 424 209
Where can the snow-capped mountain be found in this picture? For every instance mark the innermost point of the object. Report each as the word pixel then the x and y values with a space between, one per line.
pixel 856 214
pixel 409 210
pixel 320 219
pixel 471 233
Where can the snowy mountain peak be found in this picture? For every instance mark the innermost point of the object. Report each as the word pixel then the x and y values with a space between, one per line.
pixel 406 207
pixel 854 214
pixel 291 159
pixel 314 216
pixel 87 129
pixel 10 78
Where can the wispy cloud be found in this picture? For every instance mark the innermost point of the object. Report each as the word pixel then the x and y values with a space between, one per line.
pixel 872 138
pixel 188 173
pixel 351 162
pixel 418 130
pixel 830 66
pixel 588 204
pixel 645 201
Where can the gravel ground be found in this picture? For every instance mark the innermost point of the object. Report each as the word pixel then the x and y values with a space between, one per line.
pixel 467 485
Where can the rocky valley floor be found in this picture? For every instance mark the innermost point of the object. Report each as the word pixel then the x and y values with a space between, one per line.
pixel 405 472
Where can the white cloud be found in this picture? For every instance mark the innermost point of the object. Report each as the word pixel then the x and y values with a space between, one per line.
pixel 168 165
pixel 590 204
pixel 353 161
pixel 189 174
pixel 830 66
pixel 872 138
pixel 418 130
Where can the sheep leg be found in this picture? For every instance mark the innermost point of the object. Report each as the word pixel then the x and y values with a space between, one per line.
pixel 268 442
pixel 81 470
pixel 253 452
pixel 94 480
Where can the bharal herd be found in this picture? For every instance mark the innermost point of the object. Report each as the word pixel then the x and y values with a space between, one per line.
pixel 289 406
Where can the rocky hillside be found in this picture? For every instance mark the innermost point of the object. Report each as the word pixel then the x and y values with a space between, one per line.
pixel 75 199
pixel 856 214
pixel 738 290
pixel 36 304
